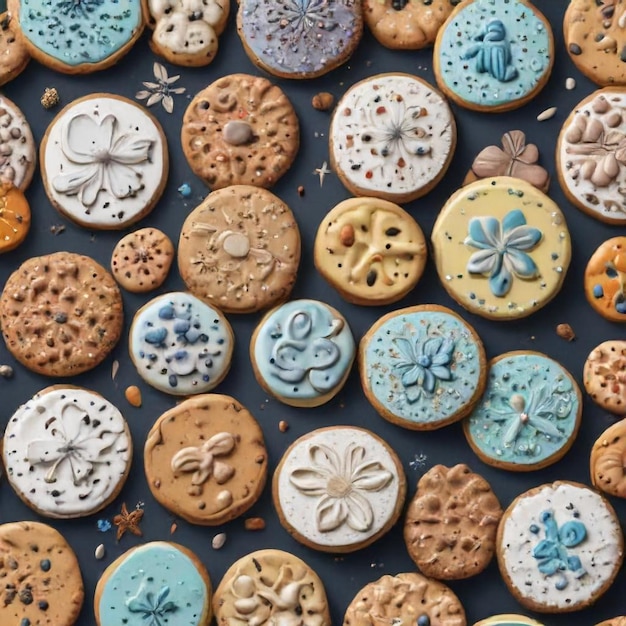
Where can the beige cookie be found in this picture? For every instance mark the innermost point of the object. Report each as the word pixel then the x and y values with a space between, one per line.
pixel 14 56
pixel 508 620
pixel 370 250
pixel 604 376
pixel 18 152
pixel 608 470
pixel 142 259
pixel 615 621
pixel 240 130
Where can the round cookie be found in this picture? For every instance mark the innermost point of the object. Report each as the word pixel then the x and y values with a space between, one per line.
pixel 273 587
pixel 67 452
pixel 392 136
pixel 451 523
pixel 370 250
pixel 240 249
pixel 153 584
pixel 502 248
pixel 18 153
pixel 41 581
pixel 104 161
pixel 508 620
pixel 615 621
pixel 78 37
pixel 560 546
pixel 180 345
pixel 605 280
pixel 405 600
pixel 14 217
pixel 604 376
pixel 608 472
pixel 142 259
pixel 14 56
pixel 61 314
pixel 240 130
pixel 302 352
pixel 422 367
pixel 339 489
pixel 205 460
pixel 492 56
pixel 529 415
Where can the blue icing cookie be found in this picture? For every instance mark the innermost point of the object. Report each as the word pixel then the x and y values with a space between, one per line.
pixel 302 352
pixel 180 345
pixel 422 367
pixel 494 54
pixel 529 414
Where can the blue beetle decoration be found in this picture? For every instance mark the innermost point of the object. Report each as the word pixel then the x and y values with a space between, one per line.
pixel 493 53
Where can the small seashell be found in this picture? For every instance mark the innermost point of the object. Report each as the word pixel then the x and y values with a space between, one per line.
pixel 218 541
pixel 570 83
pixel 547 114
pixel 100 552
pixel 133 395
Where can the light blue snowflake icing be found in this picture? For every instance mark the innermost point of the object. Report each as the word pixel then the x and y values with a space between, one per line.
pixel 151 608
pixel 493 52
pixel 552 554
pixel 502 250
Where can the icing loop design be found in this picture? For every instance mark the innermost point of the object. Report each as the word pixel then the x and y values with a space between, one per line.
pixel 153 610
pixel 493 53
pixel 201 459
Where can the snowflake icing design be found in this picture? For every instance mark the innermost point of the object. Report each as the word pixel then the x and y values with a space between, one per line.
pixel 304 15
pixel 79 8
pixel 162 90
pixel 152 609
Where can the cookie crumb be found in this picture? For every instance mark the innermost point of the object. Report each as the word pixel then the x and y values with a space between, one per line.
pixel 547 114
pixel 173 528
pixel 283 426
pixel 100 552
pixel 133 395
pixel 218 541
pixel 301 190
pixel 570 83
pixel 185 190
pixel 6 371
pixel 57 229
pixel 254 523
pixel 323 101
pixel 565 331
pixel 50 98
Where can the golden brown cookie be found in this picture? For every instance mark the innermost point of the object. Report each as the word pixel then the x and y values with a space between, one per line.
pixel 14 217
pixel 605 280
pixel 607 462
pixel 614 621
pixel 604 376
pixel 14 56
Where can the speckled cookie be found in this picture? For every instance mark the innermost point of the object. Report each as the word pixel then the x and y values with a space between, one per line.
pixel 494 56
pixel 240 130
pixel 605 280
pixel 560 547
pixel 240 249
pixel 604 376
pixel 41 581
pixel 61 314
pixel 392 136
pixel 422 367
pixel 608 472
pixel 529 415
pixel 18 152
pixel 508 620
pixel 14 56
pixel 615 621
pixel 14 217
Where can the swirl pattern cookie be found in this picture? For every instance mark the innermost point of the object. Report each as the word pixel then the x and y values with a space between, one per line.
pixel 14 217
pixel 608 470
pixel 604 376
pixel 14 56
pixel 18 155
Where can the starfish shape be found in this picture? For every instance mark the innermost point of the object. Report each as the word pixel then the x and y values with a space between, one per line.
pixel 128 522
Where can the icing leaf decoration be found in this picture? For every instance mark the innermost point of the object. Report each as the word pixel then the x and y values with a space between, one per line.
pixel 153 610
pixel 201 459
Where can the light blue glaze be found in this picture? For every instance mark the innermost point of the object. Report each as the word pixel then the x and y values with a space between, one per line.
pixel 80 31
pixel 494 52
pixel 155 585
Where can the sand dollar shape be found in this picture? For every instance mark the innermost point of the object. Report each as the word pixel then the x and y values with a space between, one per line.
pixel 604 376
pixel 608 461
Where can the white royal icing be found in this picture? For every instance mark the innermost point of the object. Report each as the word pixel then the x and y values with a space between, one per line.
pixel 17 146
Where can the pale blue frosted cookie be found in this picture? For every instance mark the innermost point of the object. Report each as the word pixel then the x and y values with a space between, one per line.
pixel 422 367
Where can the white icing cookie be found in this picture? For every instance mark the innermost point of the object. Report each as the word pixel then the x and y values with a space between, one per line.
pixel 18 155
pixel 67 452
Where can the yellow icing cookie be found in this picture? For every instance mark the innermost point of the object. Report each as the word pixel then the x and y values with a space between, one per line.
pixel 508 620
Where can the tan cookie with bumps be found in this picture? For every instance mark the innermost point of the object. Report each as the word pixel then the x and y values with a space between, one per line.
pixel 614 621
pixel 14 56
pixel 604 376
pixel 608 470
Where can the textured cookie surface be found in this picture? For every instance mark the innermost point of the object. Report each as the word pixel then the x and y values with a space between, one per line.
pixel 604 376
pixel 615 621
pixel 608 470
pixel 14 55
pixel 605 279
pixel 18 155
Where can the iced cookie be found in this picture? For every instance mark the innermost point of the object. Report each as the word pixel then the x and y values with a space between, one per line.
pixel 339 489
pixel 560 546
pixel 422 367
pixel 605 280
pixel 529 415
pixel 78 37
pixel 370 250
pixel 451 523
pixel 502 248
pixel 608 472
pixel 67 452
pixel 18 153
pixel 180 345
pixel 14 55
pixel 302 352
pixel 155 584
pixel 41 581
pixel 61 314
pixel 392 136
pixel 240 249
pixel 185 32
pixel 494 56
pixel 240 130
pixel 104 161
pixel 273 587
pixel 604 376
pixel 205 459
pixel 14 217
pixel 405 600
pixel 508 620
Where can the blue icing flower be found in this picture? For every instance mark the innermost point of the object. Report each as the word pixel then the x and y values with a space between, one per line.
pixel 152 609
pixel 493 54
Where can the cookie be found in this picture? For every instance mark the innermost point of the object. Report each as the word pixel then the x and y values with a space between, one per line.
pixel 77 38
pixel 302 352
pixel 405 600
pixel 607 461
pixel 392 136
pixel 370 250
pixel 186 33
pixel 14 56
pixel 104 161
pixel 422 367
pixel 41 580
pixel 240 130
pixel 529 415
pixel 18 154
pixel 270 586
pixel 240 249
pixel 205 459
pixel 295 39
pixel 339 489
pixel 560 546
pixel 508 620
pixel 604 376
pixel 14 217
pixel 502 248
pixel 153 584
pixel 61 314
pixel 180 345
pixel 615 621
pixel 605 280
pixel 493 57
pixel 67 452
pixel 451 523
pixel 142 259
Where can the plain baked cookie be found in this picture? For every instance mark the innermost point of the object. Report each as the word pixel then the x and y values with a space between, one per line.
pixel 604 376
pixel 205 459
pixel 508 620
pixel 18 152
pixel 14 56
pixel 615 621
pixel 392 136
pixel 15 216
pixel 605 280
pixel 607 468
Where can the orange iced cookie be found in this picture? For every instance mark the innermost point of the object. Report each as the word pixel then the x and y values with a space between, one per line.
pixel 14 217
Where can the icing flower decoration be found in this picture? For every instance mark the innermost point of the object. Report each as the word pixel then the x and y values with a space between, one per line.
pixel 493 53
pixel 153 610
pixel 502 250
pixel 201 460
pixel 341 485
pixel 160 91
